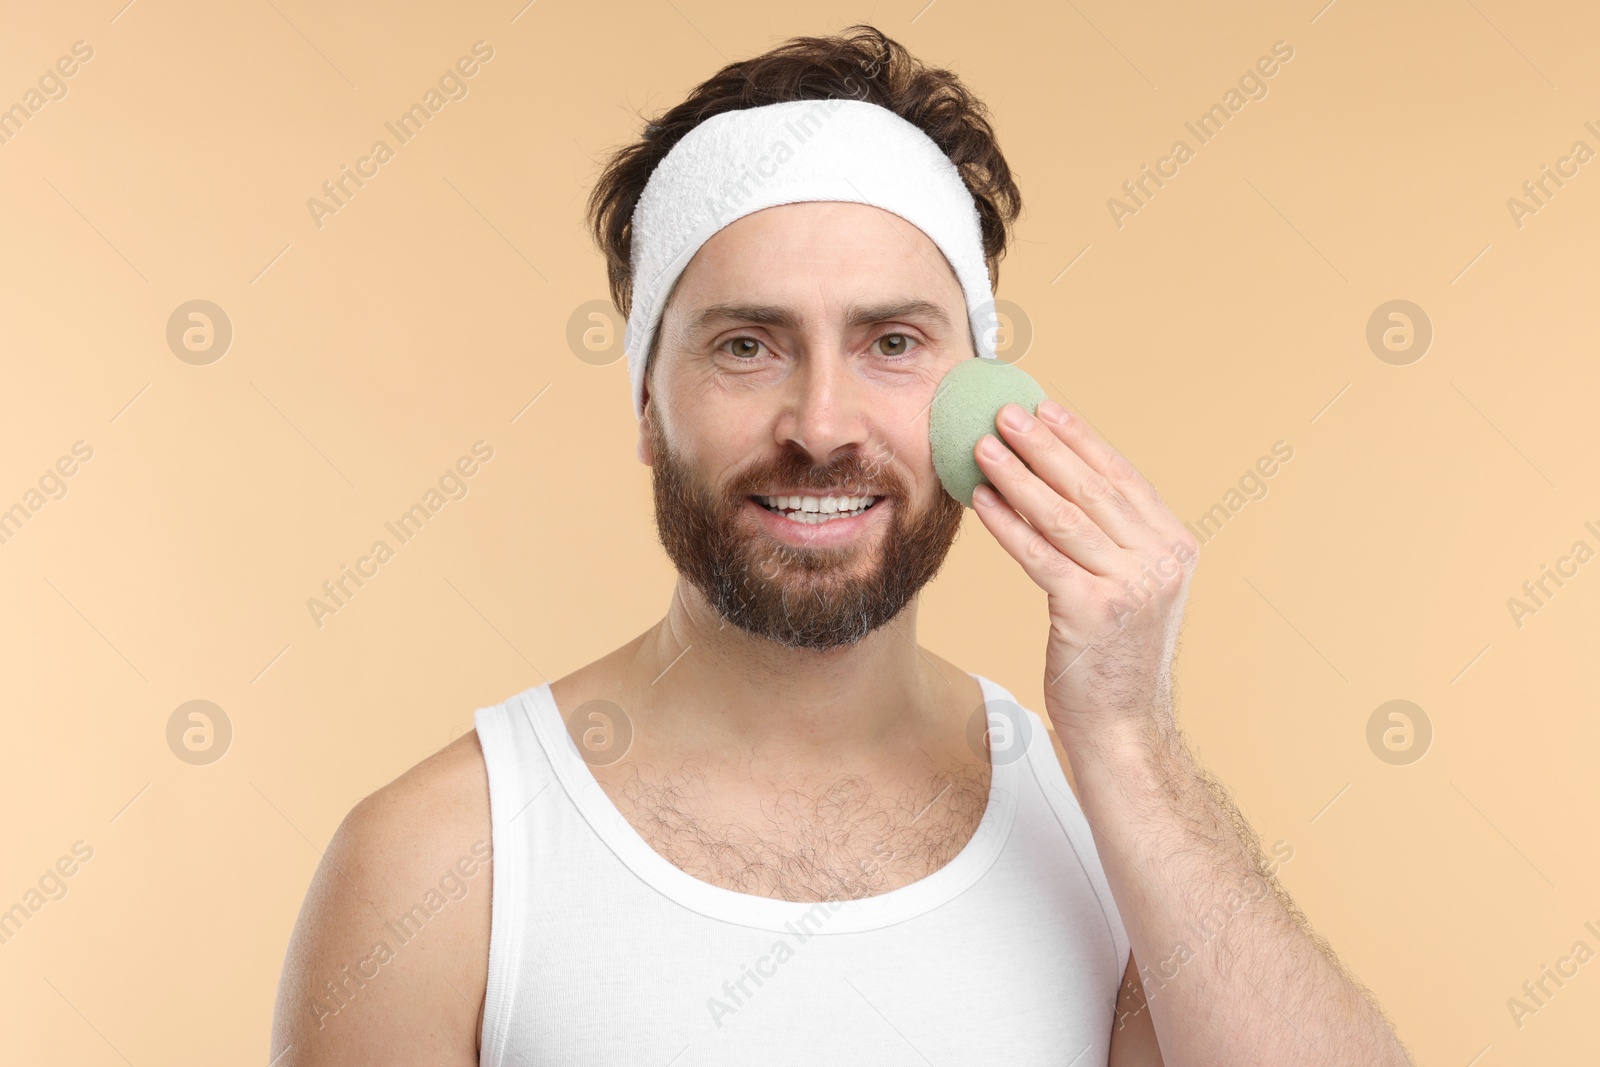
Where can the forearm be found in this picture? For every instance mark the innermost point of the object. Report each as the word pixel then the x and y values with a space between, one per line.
pixel 1231 973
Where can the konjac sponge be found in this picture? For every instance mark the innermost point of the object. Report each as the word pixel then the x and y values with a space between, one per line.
pixel 968 399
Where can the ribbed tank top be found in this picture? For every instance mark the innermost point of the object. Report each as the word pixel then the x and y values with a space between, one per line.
pixel 605 954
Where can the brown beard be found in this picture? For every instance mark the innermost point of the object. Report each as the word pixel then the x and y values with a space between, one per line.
pixel 798 597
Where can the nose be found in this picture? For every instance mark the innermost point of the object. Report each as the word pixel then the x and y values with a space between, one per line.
pixel 825 407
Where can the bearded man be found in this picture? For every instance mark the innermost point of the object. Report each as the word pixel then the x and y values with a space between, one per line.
pixel 773 828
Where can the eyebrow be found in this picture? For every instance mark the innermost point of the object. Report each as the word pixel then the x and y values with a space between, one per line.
pixel 855 314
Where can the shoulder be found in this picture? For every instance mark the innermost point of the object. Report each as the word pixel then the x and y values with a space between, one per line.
pixel 451 787
pixel 1056 747
pixel 399 906
pixel 408 836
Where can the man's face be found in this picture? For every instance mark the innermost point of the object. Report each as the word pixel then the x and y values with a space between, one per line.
pixel 798 355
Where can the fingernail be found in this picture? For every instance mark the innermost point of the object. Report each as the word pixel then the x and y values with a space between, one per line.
pixel 1050 411
pixel 992 448
pixel 1016 417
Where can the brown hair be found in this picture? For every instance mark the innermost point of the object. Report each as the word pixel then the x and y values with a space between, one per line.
pixel 860 63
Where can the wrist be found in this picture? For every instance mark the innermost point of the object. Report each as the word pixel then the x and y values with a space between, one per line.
pixel 1121 745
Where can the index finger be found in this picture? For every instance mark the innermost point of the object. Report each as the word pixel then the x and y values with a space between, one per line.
pixel 1116 468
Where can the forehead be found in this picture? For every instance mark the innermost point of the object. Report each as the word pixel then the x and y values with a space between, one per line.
pixel 797 252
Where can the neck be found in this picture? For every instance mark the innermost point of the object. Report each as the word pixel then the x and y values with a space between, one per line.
pixel 716 687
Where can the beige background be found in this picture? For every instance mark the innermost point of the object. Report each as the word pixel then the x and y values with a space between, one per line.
pixel 1227 314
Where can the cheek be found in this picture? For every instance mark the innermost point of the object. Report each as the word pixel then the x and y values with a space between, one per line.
pixel 905 456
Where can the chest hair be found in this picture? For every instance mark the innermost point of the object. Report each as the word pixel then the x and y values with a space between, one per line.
pixel 833 840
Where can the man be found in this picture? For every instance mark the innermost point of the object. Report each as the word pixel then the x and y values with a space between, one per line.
pixel 773 827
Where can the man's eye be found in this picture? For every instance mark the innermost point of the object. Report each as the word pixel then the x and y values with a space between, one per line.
pixel 744 347
pixel 895 344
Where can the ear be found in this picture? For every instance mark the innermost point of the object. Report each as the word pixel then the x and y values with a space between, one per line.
pixel 642 449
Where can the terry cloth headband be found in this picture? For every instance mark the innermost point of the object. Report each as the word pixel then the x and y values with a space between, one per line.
pixel 738 162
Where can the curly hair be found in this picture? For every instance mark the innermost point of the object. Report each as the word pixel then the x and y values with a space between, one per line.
pixel 859 63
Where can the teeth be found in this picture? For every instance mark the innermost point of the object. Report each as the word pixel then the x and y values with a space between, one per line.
pixel 815 518
pixel 812 509
pixel 825 504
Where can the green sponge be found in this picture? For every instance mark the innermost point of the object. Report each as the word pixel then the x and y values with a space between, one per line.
pixel 969 397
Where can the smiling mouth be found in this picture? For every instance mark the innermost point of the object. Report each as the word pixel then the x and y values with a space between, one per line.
pixel 816 511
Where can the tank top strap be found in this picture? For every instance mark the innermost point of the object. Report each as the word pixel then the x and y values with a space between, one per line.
pixel 1063 805
pixel 520 775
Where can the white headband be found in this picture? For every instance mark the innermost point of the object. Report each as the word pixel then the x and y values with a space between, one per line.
pixel 738 162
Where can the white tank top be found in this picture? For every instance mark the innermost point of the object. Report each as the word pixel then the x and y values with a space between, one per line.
pixel 603 953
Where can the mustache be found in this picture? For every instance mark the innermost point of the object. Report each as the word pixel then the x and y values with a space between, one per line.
pixel 851 474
